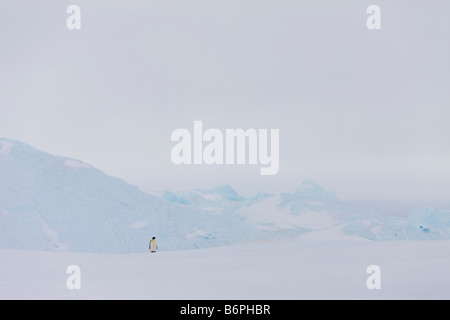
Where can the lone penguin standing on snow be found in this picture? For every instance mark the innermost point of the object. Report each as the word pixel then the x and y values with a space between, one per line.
pixel 153 246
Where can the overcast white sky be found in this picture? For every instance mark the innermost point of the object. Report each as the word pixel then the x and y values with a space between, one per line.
pixel 365 113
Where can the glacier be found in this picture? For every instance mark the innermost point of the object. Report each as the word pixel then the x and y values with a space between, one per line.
pixel 55 203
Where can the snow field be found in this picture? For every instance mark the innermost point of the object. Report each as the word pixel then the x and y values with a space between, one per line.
pixel 283 269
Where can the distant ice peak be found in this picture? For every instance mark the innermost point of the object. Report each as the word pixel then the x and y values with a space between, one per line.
pixel 311 190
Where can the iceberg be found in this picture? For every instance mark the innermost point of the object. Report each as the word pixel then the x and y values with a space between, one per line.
pixel 54 203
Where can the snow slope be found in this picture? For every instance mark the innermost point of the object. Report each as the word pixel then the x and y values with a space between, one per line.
pixel 55 203
pixel 287 269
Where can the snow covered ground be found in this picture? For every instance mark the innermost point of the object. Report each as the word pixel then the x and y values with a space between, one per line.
pixel 314 266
